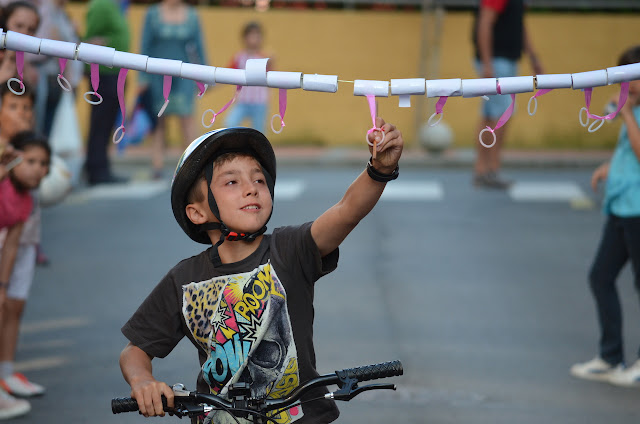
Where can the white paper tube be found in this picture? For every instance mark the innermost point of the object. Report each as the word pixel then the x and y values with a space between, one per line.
pixel 553 81
pixel 90 53
pixel 514 85
pixel 56 48
pixel 230 76
pixel 256 71
pixel 22 43
pixel 366 87
pixel 164 66
pixel 2 38
pixel 324 83
pixel 479 87
pixel 445 87
pixel 589 79
pixel 288 80
pixel 126 60
pixel 623 73
pixel 408 86
pixel 200 73
pixel 404 100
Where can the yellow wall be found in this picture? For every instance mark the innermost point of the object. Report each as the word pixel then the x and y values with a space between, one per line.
pixel 385 45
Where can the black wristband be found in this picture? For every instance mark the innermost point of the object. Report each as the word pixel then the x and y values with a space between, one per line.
pixel 379 176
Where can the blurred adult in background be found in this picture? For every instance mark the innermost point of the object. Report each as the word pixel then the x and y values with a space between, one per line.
pixel 106 26
pixel 499 37
pixel 56 25
pixel 171 31
pixel 23 17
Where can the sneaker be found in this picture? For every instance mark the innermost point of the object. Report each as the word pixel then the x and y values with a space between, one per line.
pixel 596 369
pixel 628 377
pixel 491 180
pixel 11 407
pixel 18 385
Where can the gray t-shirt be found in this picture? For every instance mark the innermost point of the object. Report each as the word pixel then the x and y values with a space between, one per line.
pixel 252 320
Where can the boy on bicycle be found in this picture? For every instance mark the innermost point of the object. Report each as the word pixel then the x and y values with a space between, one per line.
pixel 246 302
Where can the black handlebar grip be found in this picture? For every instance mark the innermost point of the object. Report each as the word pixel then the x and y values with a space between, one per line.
pixel 372 372
pixel 119 405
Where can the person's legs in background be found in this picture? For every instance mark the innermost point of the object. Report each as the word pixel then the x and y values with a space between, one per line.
pixel 611 256
pixel 103 117
pixel 258 115
pixel 236 115
pixel 158 147
pixel 20 283
pixel 489 159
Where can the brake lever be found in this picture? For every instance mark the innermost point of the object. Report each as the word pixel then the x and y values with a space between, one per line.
pixel 353 391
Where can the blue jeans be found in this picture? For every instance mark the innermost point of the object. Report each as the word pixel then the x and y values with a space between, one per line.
pixel 620 244
pixel 496 105
pixel 254 112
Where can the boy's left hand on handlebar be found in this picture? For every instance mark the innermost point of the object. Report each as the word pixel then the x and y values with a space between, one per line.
pixel 389 149
pixel 149 394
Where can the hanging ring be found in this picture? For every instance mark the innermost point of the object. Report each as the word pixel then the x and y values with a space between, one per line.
pixel 437 121
pixel 366 137
pixel 535 107
pixel 93 102
pixel 281 121
pixel 596 125
pixel 582 122
pixel 64 83
pixel 488 146
pixel 120 131
pixel 212 121
pixel 17 93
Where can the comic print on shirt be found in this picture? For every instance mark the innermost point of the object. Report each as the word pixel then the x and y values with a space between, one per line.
pixel 242 322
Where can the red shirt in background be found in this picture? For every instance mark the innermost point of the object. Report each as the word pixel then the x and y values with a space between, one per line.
pixel 15 207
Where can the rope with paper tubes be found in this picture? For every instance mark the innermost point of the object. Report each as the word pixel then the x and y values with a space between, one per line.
pixel 256 74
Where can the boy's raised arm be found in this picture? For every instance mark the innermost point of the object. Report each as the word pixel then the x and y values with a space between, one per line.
pixel 333 226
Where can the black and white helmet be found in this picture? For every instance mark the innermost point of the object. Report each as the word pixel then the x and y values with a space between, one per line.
pixel 198 157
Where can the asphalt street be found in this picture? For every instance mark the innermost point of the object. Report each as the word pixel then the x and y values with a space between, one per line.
pixel 482 295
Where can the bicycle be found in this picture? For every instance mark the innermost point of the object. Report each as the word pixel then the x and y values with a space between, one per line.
pixel 261 410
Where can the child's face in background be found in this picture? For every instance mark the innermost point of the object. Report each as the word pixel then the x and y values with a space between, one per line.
pixel 634 90
pixel 253 40
pixel 16 115
pixel 23 20
pixel 33 168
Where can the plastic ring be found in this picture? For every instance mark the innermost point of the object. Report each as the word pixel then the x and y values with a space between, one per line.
pixel 162 109
pixel 120 130
pixel 583 123
pixel 17 93
pixel 593 127
pixel 93 102
pixel 488 146
pixel 366 137
pixel 433 124
pixel 535 108
pixel 281 121
pixel 64 83
pixel 212 121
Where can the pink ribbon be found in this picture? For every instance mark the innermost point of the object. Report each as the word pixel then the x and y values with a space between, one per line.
pixel 622 99
pixel 229 103
pixel 440 104
pixel 201 87
pixel 95 77
pixel 20 66
pixel 537 94
pixel 282 98
pixel 63 64
pixel 122 77
pixel 166 90
pixel 282 102
pixel 503 120
pixel 372 109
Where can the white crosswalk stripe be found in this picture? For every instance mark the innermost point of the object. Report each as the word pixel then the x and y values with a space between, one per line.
pixel 548 191
pixel 413 191
pixel 289 189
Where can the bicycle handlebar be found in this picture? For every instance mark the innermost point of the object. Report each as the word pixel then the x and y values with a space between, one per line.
pixel 191 403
